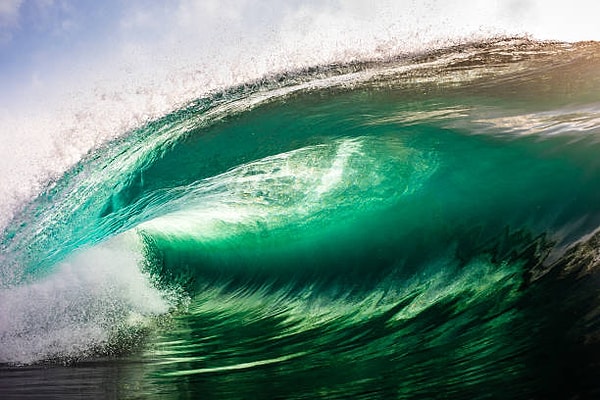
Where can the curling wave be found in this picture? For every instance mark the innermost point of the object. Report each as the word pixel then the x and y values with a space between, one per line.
pixel 393 228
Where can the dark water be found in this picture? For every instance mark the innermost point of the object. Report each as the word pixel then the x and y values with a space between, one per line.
pixel 424 227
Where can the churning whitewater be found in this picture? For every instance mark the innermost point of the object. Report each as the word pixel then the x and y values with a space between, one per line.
pixel 420 226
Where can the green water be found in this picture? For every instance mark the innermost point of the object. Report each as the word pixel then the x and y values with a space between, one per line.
pixel 410 229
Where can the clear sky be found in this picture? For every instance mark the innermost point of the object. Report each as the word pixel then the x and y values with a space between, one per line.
pixel 74 73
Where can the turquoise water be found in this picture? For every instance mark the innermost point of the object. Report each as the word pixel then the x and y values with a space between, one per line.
pixel 411 228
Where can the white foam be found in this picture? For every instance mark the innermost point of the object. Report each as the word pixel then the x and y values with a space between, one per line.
pixel 309 184
pixel 89 298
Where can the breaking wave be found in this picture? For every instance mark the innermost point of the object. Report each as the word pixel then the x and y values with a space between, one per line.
pixel 394 228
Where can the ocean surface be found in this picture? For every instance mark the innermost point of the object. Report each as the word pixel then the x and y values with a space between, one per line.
pixel 423 226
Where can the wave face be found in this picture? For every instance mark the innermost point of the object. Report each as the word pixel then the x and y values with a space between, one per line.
pixel 390 229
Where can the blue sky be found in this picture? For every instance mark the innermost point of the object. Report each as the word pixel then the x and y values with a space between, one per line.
pixel 39 35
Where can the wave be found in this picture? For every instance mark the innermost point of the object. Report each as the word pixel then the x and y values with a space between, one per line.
pixel 431 216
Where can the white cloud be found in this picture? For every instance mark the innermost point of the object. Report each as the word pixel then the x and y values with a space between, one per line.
pixel 9 12
pixel 9 19
pixel 190 11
